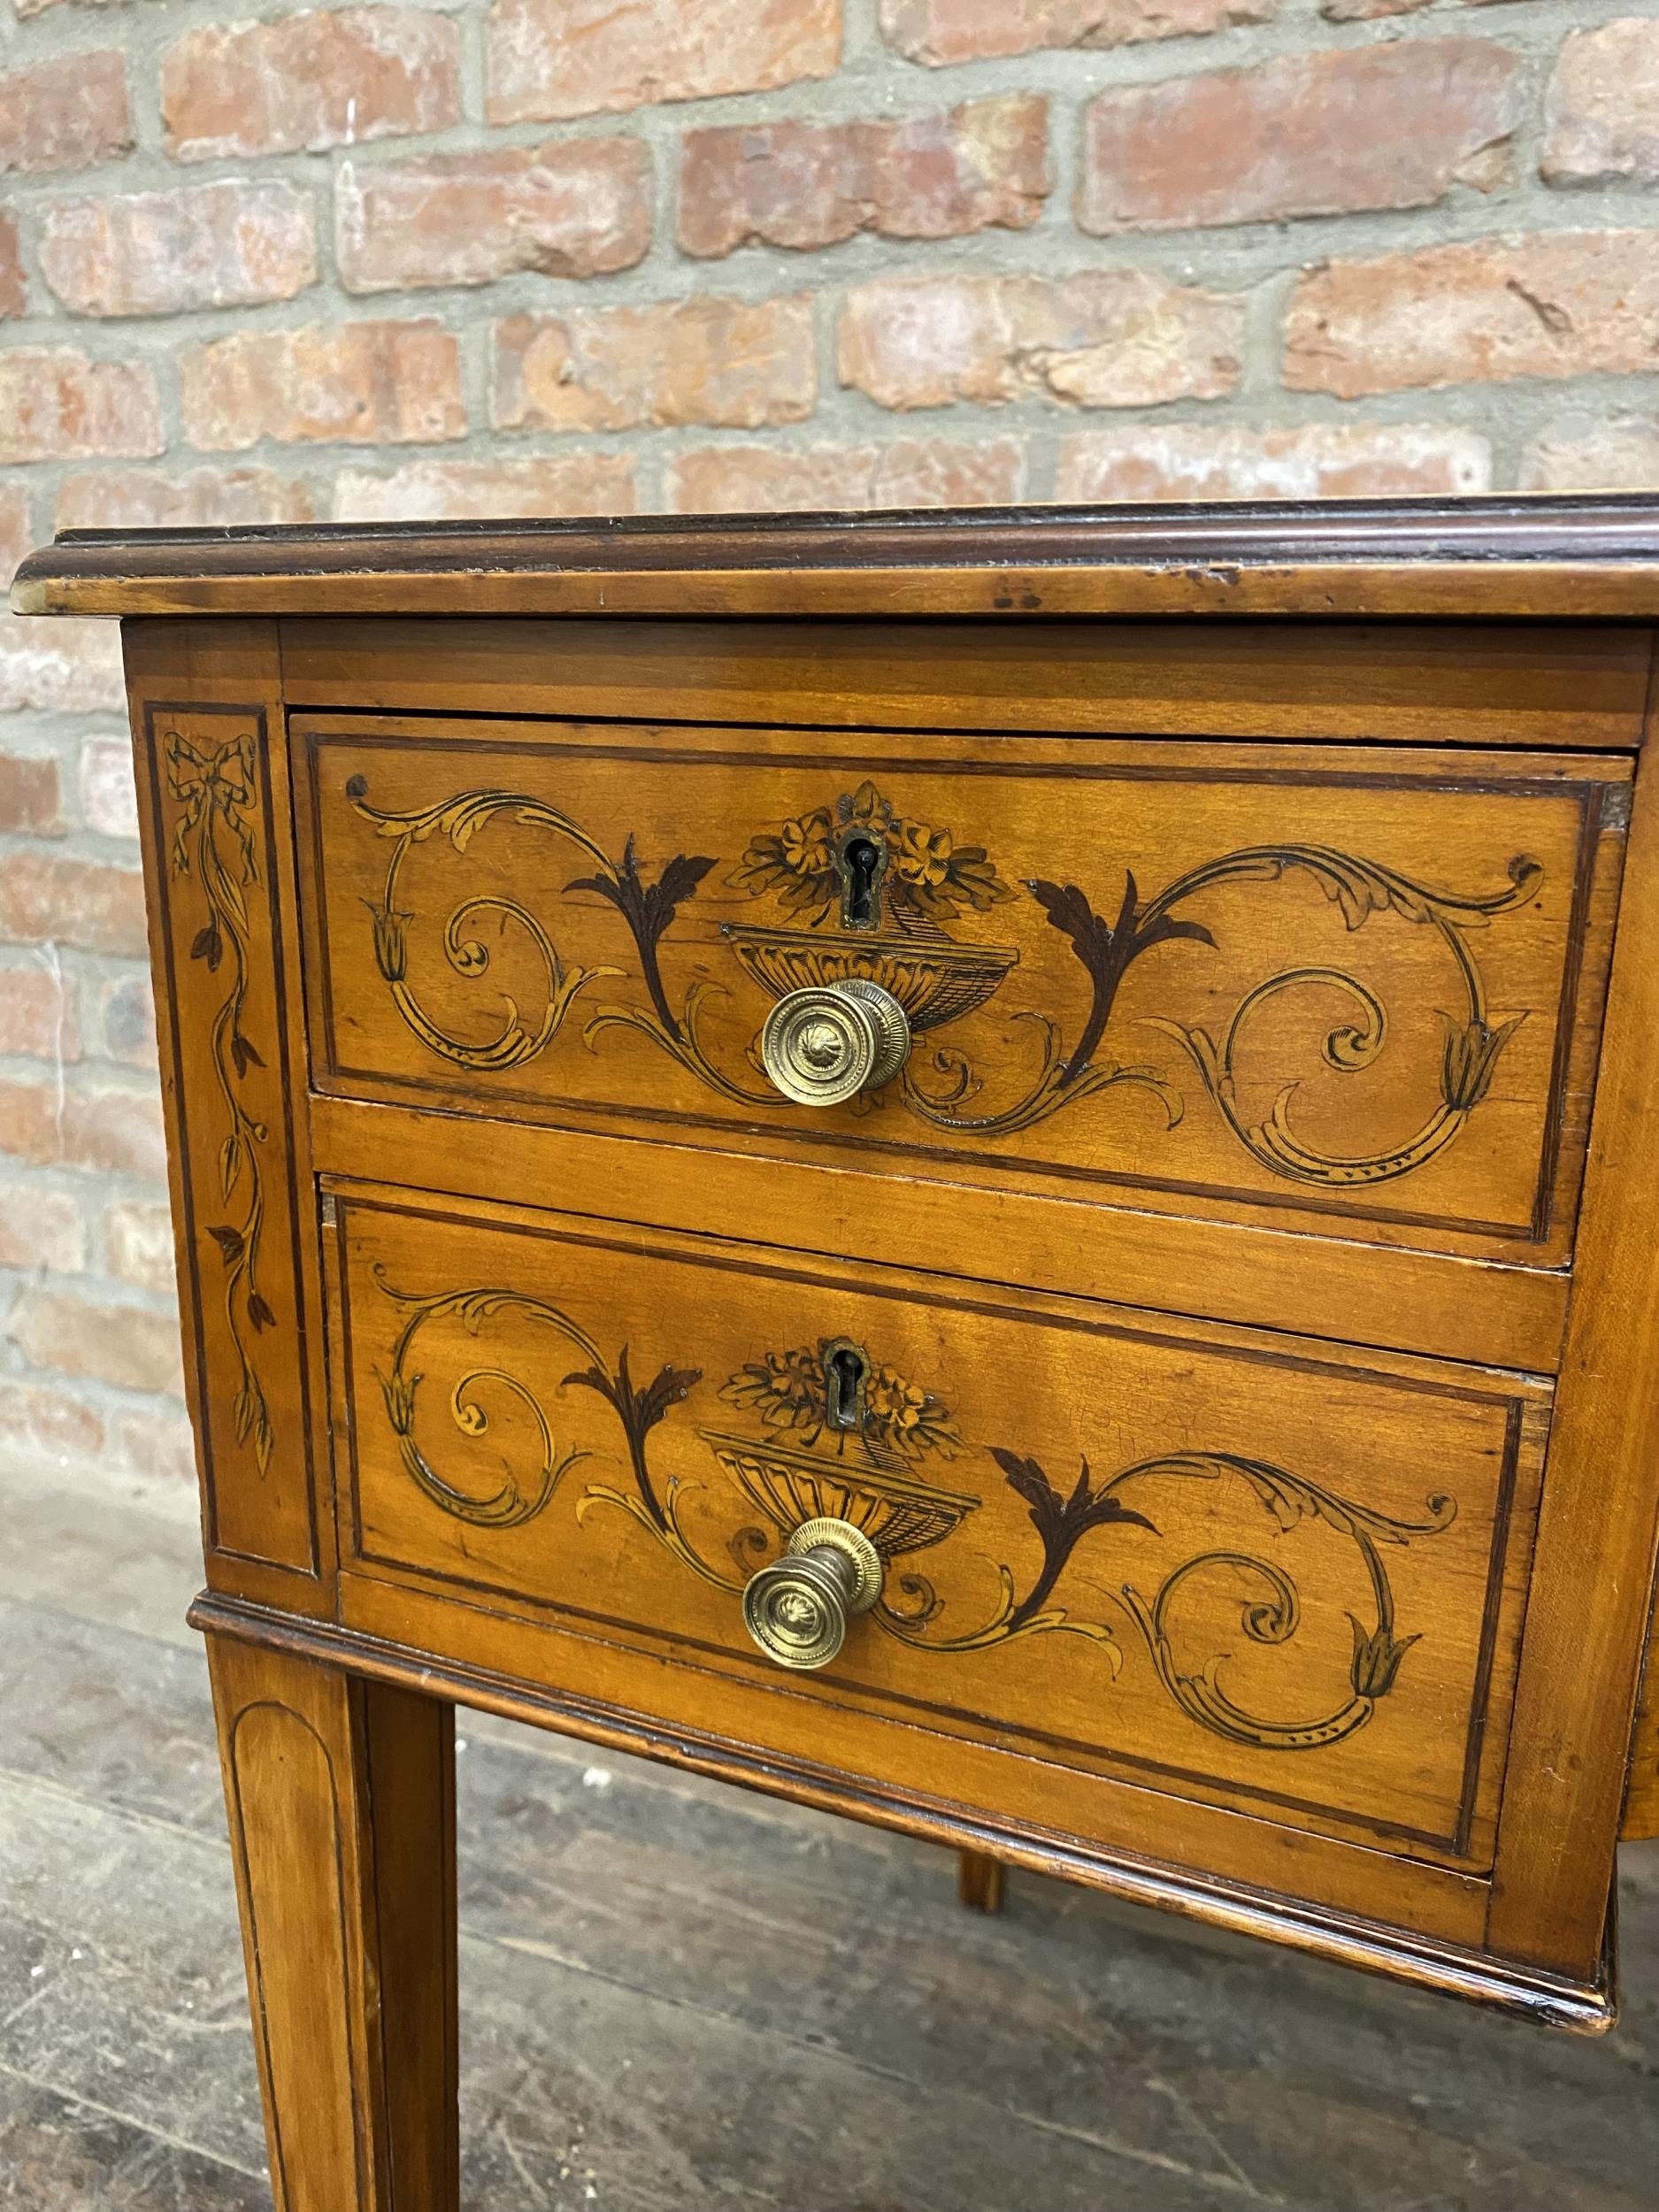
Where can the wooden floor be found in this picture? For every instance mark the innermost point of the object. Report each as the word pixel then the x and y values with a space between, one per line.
pixel 677 1998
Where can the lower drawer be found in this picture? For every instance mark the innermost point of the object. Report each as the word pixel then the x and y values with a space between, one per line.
pixel 1234 1600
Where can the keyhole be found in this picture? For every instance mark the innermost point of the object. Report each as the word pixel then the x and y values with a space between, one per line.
pixel 843 1377
pixel 861 858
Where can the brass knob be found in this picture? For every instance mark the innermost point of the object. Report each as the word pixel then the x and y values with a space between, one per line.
pixel 823 1045
pixel 797 1608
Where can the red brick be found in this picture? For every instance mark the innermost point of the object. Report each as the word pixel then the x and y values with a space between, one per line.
pixel 109 803
pixel 14 291
pixel 16 536
pixel 29 796
pixel 368 383
pixel 65 666
pixel 230 244
pixel 49 1424
pixel 37 1013
pixel 67 113
pixel 56 405
pixel 1589 454
pixel 125 1345
pixel 699 360
pixel 1156 461
pixel 78 903
pixel 578 209
pixel 940 32
pixel 325 78
pixel 1390 125
pixel 553 58
pixel 41 1228
pixel 1602 109
pixel 465 491
pixel 1112 338
pixel 198 498
pixel 126 1019
pixel 161 1446
pixel 813 184
pixel 913 472
pixel 1566 303
pixel 138 1246
pixel 104 1130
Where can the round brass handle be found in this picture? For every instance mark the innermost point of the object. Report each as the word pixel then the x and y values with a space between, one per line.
pixel 797 1608
pixel 823 1045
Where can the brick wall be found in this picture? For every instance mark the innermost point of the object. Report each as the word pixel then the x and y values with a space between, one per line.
pixel 536 257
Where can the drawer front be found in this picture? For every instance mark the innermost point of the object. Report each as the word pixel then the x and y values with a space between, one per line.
pixel 1234 1571
pixel 1344 991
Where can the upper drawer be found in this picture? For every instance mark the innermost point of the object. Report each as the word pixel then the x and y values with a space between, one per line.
pixel 1340 990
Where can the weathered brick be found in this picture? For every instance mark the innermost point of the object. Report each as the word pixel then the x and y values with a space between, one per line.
pixel 161 1446
pixel 41 1228
pixel 327 77
pixel 811 184
pixel 29 795
pixel 577 209
pixel 1389 126
pixel 101 1129
pixel 66 666
pixel 1586 454
pixel 368 383
pixel 1368 11
pixel 126 1019
pixel 128 1346
pixel 14 290
pixel 549 60
pixel 1602 109
pixel 79 903
pixel 909 472
pixel 56 405
pixel 16 536
pixel 138 1245
pixel 37 1012
pixel 229 244
pixel 1318 461
pixel 65 113
pixel 464 491
pixel 52 1426
pixel 109 803
pixel 940 32
pixel 1111 338
pixel 1564 303
pixel 196 498
pixel 699 360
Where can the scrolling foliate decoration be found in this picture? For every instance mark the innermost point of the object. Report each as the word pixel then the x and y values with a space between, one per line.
pixel 214 789
pixel 796 1465
pixel 917 879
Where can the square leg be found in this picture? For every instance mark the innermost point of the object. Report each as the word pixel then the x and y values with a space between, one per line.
pixel 341 1798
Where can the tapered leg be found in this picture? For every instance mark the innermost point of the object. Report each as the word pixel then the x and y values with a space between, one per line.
pixel 340 1795
pixel 980 1881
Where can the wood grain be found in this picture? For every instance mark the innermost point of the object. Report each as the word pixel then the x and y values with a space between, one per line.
pixel 1445 683
pixel 1591 1597
pixel 389 1635
pixel 473 1468
pixel 339 1793
pixel 212 772
pixel 1501 556
pixel 1086 948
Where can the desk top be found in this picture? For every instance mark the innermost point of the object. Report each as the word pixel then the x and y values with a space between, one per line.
pixel 1559 558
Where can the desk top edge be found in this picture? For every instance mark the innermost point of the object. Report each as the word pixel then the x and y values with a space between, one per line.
pixel 1522 556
